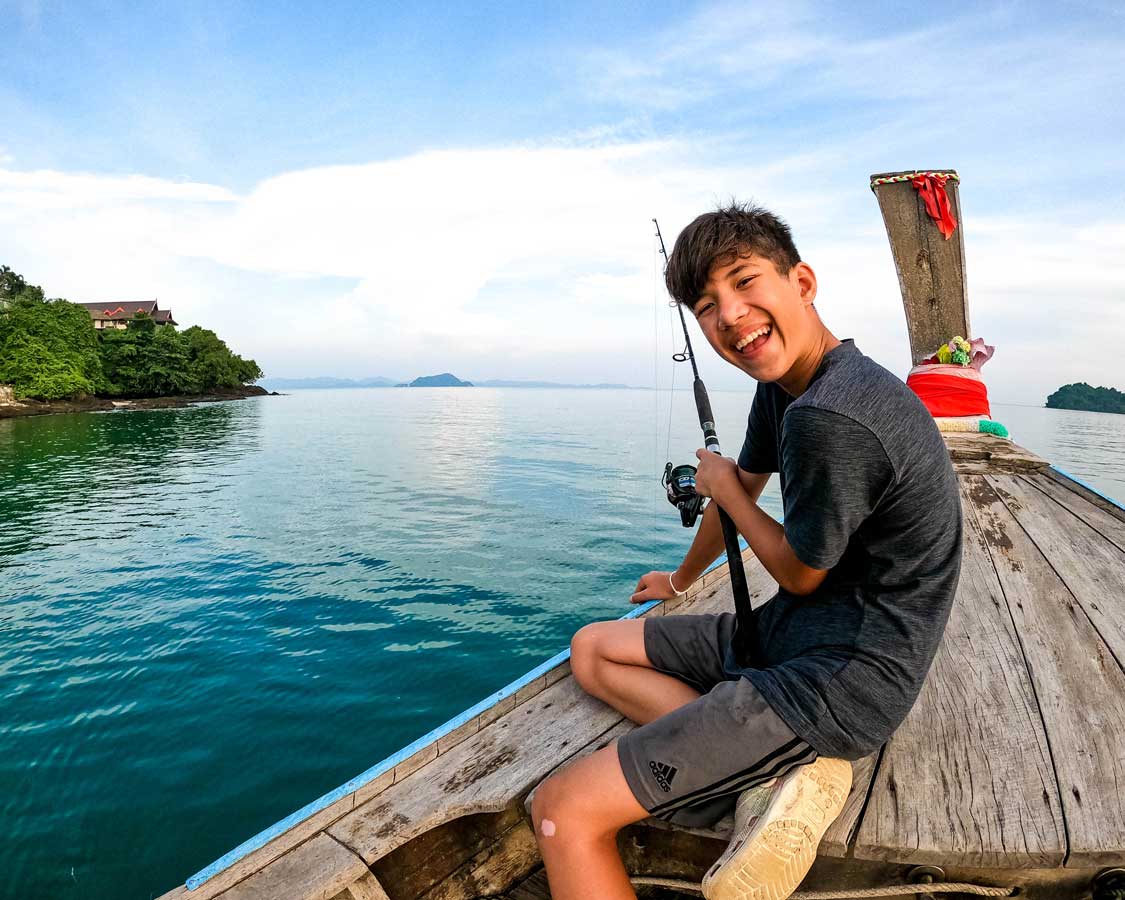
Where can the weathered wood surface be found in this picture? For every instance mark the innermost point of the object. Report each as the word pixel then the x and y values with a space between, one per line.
pixel 931 269
pixel 1079 686
pixel 1085 493
pixel 319 869
pixel 367 888
pixel 1092 567
pixel 840 836
pixel 534 888
pixel 1099 516
pixel 967 778
pixel 981 453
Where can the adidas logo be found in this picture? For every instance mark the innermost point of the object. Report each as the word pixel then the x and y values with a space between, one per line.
pixel 663 773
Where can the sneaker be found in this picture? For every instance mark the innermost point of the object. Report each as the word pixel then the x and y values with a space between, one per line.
pixel 776 832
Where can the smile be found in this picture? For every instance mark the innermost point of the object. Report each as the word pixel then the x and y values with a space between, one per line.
pixel 753 340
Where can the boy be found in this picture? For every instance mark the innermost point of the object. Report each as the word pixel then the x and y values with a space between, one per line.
pixel 867 563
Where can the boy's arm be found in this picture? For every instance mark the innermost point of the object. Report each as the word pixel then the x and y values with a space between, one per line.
pixel 722 480
pixel 705 548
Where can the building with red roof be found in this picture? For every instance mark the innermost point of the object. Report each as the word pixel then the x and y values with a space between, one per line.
pixel 115 314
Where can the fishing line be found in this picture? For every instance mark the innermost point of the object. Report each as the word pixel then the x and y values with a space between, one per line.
pixel 655 392
pixel 680 484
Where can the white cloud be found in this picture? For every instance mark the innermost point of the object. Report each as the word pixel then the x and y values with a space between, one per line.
pixel 526 261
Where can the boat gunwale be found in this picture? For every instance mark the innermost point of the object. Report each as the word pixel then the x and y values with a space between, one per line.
pixel 262 838
pixel 1089 487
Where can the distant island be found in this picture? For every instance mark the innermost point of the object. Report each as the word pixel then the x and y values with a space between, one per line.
pixel 496 382
pixel 328 382
pixel 442 380
pixel 1091 399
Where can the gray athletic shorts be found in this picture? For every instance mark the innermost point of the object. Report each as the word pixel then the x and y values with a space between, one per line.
pixel 689 766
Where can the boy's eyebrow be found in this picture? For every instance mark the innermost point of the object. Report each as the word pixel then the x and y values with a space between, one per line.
pixel 742 265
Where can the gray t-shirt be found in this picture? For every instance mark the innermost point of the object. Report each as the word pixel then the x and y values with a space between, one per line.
pixel 869 494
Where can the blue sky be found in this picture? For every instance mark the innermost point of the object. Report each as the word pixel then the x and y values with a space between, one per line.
pixel 377 189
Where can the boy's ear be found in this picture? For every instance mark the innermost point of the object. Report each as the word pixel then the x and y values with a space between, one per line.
pixel 804 279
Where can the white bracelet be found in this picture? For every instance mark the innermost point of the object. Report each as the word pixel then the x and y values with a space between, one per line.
pixel 672 585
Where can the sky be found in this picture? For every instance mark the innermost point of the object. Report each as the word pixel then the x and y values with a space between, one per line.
pixel 362 189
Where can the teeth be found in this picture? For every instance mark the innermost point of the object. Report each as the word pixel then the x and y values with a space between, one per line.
pixel 752 336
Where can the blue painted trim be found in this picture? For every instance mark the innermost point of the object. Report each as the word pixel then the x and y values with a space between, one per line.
pixel 264 837
pixel 1089 487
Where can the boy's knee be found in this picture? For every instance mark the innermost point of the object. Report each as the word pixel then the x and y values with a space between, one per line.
pixel 585 655
pixel 555 813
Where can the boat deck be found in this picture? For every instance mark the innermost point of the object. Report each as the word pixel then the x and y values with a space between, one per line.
pixel 534 887
pixel 1009 769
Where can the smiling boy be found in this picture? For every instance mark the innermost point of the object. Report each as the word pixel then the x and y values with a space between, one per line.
pixel 866 562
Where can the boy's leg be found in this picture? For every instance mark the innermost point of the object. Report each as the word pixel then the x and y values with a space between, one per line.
pixel 578 811
pixel 609 661
pixel 577 814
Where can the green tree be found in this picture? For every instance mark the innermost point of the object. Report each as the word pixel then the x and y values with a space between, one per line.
pixel 212 365
pixel 1083 396
pixel 48 348
pixel 13 286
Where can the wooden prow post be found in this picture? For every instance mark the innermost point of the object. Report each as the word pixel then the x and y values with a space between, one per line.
pixel 931 269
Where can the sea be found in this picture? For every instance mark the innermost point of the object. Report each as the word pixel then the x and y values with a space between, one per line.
pixel 211 616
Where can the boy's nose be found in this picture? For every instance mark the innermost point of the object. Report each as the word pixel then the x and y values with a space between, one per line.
pixel 731 309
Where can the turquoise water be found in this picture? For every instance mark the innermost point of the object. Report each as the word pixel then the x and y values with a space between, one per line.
pixel 208 617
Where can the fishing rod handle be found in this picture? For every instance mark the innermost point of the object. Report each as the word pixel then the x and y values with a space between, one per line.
pixel 706 417
pixel 744 610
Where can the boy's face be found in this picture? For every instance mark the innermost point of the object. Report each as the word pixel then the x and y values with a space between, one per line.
pixel 758 319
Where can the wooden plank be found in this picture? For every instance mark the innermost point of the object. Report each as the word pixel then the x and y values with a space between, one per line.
pixel 317 870
pixel 458 734
pixel 264 856
pixel 997 452
pixel 931 269
pixel 534 888
pixel 840 834
pixel 1079 686
pixel 423 863
pixel 495 869
pixel 1092 568
pixel 1109 526
pixel 967 779
pixel 1091 496
pixel 486 773
pixel 367 888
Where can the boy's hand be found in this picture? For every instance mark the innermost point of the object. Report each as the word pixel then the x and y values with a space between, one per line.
pixel 654 586
pixel 716 475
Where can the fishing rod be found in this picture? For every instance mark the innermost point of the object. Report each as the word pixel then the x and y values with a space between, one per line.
pixel 679 481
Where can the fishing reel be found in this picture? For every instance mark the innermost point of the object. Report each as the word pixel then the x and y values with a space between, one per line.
pixel 679 482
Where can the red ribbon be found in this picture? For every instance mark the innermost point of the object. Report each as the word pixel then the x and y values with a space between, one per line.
pixel 931 188
pixel 950 395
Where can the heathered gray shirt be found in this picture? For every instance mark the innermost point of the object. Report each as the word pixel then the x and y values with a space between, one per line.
pixel 869 494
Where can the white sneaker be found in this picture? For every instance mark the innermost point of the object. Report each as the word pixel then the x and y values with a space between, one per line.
pixel 776 833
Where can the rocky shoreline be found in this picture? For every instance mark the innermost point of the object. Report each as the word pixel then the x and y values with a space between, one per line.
pixel 22 408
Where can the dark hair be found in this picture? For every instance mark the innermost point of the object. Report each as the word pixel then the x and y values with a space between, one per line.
pixel 719 238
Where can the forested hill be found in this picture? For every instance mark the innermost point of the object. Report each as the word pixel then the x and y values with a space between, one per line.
pixel 1092 399
pixel 50 350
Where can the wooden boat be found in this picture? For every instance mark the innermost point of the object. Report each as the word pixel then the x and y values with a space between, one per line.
pixel 1008 772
